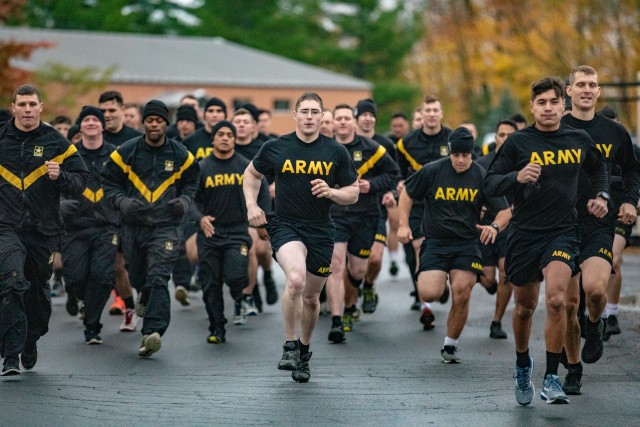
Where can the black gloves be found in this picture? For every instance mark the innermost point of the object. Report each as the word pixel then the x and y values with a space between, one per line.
pixel 178 206
pixel 69 207
pixel 130 206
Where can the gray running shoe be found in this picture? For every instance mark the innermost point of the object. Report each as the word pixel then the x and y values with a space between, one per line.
pixel 450 354
pixel 290 357
pixel 552 390
pixel 302 372
pixel 495 330
pixel 524 390
pixel 182 296
pixel 150 344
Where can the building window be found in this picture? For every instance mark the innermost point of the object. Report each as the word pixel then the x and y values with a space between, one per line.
pixel 282 105
pixel 239 102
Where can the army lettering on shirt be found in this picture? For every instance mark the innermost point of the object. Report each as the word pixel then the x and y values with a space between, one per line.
pixel 199 144
pixel 453 201
pixel 295 164
pixel 549 204
pixel 615 144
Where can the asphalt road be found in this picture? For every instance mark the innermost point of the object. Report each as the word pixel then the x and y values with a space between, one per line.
pixel 389 372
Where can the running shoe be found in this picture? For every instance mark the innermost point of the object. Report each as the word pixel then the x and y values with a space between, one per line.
pixel 445 295
pixel 393 269
pixel 347 322
pixel 415 306
pixel 290 357
pixel 355 314
pixel 81 312
pixel 182 296
pixel 611 327
pixel 593 345
pixel 92 338
pixel 524 390
pixel 130 321
pixel 150 344
pixel 336 333
pixel 552 390
pixel 217 336
pixel 11 366
pixel 71 305
pixel 495 330
pixel 29 355
pixel 369 300
pixel 427 318
pixel 240 317
pixel 450 354
pixel 140 307
pixel 270 285
pixel 302 372
pixel 248 306
pixel 118 305
pixel 572 382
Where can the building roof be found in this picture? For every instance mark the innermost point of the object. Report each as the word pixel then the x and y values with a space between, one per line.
pixel 164 59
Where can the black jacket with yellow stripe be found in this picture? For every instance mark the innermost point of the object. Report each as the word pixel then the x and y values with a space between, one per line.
pixel 153 175
pixel 92 209
pixel 29 199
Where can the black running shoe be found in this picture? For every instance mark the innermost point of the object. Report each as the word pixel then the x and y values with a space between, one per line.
pixel 369 300
pixel 611 326
pixel 11 366
pixel 92 338
pixel 495 331
pixel 72 304
pixel 302 373
pixel 393 269
pixel 290 357
pixel 572 383
pixel 257 299
pixel 270 285
pixel 29 356
pixel 445 295
pixel 217 336
pixel 450 354
pixel 593 346
pixel 336 333
pixel 415 306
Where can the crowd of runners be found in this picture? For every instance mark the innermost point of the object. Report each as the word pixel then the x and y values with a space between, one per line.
pixel 124 200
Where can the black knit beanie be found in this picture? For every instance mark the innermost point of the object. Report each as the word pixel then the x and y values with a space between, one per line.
pixel 461 141
pixel 90 110
pixel 218 102
pixel 156 108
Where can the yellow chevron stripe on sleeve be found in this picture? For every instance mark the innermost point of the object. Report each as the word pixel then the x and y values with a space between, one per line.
pixel 10 177
pixel 135 180
pixel 366 166
pixel 415 165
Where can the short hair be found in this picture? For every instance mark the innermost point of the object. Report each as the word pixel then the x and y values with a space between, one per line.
pixel 133 105
pixel 264 111
pixel 189 96
pixel 518 118
pixel 609 112
pixel 309 96
pixel 61 119
pixel 342 107
pixel 584 69
pixel 430 99
pixel 507 122
pixel 111 95
pixel 399 115
pixel 25 90
pixel 242 112
pixel 548 83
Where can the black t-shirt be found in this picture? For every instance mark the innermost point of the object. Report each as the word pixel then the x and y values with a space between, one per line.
pixel 373 163
pixel 219 192
pixel 295 164
pixel 119 138
pixel 251 149
pixel 549 204
pixel 615 144
pixel 453 201
pixel 490 214
pixel 199 143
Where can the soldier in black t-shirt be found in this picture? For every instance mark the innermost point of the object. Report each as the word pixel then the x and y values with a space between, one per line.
pixel 223 240
pixel 596 246
pixel 311 172
pixel 357 224
pixel 453 194
pixel 493 254
pixel 421 146
pixel 541 164
pixel 199 143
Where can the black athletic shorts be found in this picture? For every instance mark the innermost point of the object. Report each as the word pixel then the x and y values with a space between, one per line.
pixel 492 252
pixel 528 253
pixel 381 232
pixel 447 255
pixel 358 231
pixel 624 230
pixel 596 240
pixel 317 238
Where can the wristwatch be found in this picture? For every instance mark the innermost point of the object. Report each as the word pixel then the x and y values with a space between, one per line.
pixel 603 195
pixel 496 226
